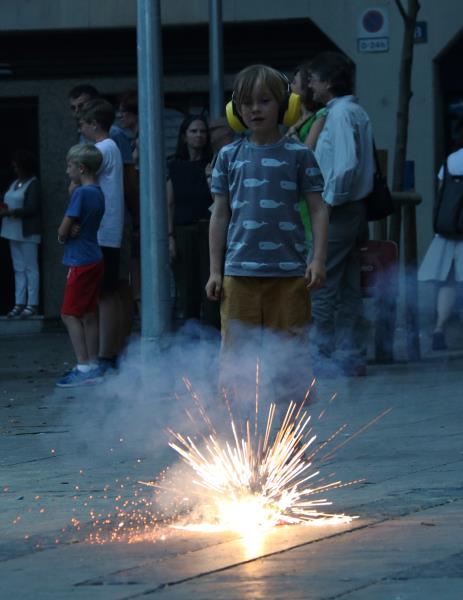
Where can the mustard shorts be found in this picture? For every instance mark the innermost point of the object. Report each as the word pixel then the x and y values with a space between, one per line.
pixel 281 304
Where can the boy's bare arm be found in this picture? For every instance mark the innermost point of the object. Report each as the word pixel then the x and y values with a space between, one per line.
pixel 319 215
pixel 64 230
pixel 218 229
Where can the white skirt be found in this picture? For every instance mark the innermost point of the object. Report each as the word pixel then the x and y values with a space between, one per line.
pixel 442 254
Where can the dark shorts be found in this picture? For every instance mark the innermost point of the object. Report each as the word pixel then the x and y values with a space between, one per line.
pixel 112 259
pixel 82 291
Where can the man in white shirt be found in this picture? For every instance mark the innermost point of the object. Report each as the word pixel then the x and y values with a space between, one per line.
pixel 78 96
pixel 94 122
pixel 344 152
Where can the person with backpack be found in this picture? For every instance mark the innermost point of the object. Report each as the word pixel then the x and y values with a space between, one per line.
pixel 443 262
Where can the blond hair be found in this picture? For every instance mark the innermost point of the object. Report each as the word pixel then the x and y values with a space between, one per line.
pixel 267 76
pixel 87 155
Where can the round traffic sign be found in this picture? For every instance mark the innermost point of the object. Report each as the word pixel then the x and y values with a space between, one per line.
pixel 373 21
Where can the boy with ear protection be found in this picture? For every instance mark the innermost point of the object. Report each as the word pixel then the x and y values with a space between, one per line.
pixel 258 253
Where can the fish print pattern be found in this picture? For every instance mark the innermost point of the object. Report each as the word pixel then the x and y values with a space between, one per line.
pixel 236 245
pixel 252 182
pixel 237 204
pixel 273 162
pixel 237 164
pixel 249 224
pixel 264 203
pixel 269 246
pixel 289 266
pixel 312 171
pixel 287 226
pixel 264 186
pixel 288 185
pixel 290 146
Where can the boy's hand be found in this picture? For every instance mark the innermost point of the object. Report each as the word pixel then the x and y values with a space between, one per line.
pixel 214 287
pixel 292 133
pixel 315 275
pixel 75 230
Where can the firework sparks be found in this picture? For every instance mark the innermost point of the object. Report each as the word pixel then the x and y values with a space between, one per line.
pixel 254 482
pixel 255 477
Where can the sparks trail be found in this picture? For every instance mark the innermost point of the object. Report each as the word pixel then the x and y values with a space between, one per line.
pixel 199 405
pixel 326 442
pixel 254 480
pixel 246 481
pixel 332 452
pixel 256 420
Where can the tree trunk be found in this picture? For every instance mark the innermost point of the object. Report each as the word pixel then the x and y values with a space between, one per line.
pixel 405 94
pixel 389 302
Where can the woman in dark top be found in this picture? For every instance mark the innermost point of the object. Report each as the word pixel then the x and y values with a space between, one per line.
pixel 21 225
pixel 189 199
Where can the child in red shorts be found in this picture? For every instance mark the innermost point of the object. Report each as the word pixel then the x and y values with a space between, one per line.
pixel 83 256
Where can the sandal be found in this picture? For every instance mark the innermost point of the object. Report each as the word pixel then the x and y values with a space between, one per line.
pixel 29 311
pixel 15 311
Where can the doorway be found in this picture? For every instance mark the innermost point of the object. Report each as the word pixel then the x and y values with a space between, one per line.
pixel 19 118
pixel 451 85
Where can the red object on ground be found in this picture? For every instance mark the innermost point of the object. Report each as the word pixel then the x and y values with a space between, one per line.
pixel 376 258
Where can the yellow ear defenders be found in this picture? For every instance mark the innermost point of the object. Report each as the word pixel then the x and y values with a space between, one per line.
pixel 290 110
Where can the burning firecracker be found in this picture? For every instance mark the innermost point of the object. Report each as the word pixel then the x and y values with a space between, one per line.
pixel 256 481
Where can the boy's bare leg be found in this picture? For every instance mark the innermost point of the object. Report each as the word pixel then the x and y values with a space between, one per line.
pixel 76 333
pixel 90 326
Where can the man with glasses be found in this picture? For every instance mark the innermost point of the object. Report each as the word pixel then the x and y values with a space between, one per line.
pixel 78 96
pixel 344 152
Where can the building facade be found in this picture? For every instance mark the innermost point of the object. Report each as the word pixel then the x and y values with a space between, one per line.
pixel 48 46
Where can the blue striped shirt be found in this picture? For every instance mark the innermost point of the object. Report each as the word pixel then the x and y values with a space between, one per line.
pixel 344 152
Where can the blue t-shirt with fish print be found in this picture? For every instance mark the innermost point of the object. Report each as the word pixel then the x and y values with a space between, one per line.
pixel 264 183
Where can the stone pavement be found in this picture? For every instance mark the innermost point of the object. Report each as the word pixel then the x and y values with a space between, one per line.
pixel 67 453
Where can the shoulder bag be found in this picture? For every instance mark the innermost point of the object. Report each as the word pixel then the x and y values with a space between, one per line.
pixel 448 210
pixel 379 202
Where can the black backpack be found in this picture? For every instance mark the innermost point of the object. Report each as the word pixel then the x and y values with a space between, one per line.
pixel 448 210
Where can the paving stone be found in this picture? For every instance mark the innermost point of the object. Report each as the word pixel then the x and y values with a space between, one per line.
pixel 60 447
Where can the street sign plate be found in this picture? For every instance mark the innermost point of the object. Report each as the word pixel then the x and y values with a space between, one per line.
pixel 373 44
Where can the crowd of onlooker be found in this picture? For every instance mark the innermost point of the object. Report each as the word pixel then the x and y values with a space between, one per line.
pixel 265 208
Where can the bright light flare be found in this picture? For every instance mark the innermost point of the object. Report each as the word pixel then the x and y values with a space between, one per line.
pixel 255 482
pixel 248 481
